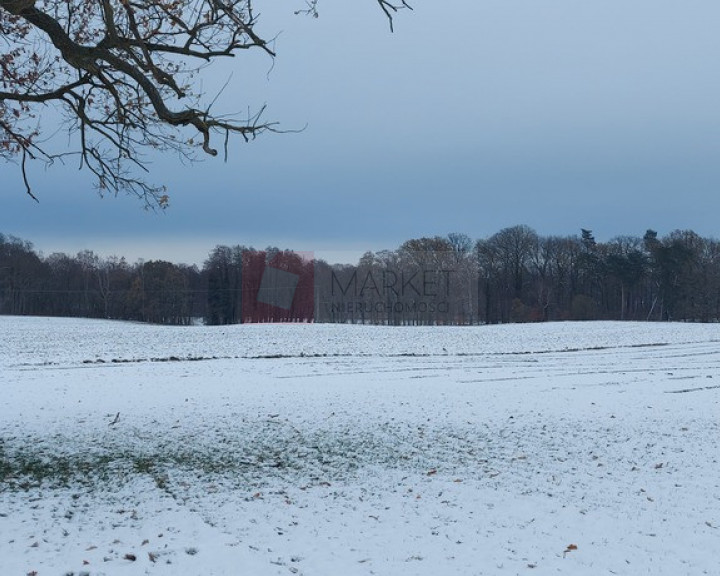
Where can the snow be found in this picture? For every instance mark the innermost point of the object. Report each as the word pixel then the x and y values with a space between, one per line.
pixel 562 448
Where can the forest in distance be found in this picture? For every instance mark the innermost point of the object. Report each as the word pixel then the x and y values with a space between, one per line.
pixel 514 275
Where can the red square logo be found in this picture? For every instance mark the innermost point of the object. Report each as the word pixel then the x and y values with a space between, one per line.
pixel 278 286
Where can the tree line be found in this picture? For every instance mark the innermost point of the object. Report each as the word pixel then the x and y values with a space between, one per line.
pixel 514 275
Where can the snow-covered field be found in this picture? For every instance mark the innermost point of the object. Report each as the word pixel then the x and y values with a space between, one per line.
pixel 568 448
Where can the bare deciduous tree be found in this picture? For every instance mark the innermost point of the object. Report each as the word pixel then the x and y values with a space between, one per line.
pixel 124 74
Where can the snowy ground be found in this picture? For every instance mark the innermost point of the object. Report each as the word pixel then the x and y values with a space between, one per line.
pixel 570 448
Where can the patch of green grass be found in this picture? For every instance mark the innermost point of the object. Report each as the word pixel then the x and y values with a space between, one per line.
pixel 28 468
pixel 249 455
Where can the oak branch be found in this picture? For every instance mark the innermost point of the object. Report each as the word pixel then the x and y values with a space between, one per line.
pixel 124 75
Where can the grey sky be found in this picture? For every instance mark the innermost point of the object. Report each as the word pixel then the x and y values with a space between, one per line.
pixel 473 116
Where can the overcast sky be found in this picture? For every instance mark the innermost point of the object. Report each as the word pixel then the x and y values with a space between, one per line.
pixel 473 116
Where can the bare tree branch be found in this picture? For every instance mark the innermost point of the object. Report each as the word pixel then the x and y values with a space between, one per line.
pixel 121 71
pixel 390 9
